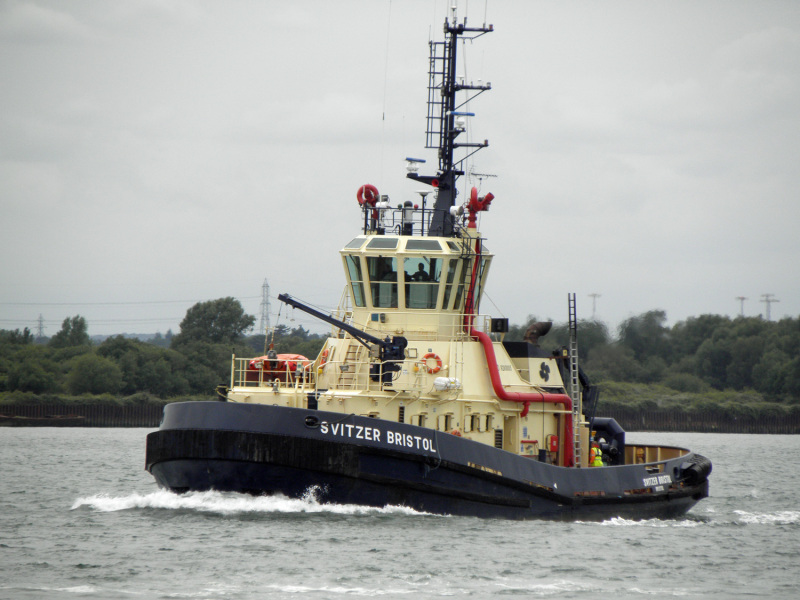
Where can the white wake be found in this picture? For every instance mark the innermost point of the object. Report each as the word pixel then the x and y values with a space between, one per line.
pixel 229 503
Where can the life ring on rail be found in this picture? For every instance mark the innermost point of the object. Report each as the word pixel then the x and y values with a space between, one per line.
pixel 438 360
pixel 368 194
pixel 324 358
pixel 456 432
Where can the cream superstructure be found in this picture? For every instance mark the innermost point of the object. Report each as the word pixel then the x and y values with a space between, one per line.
pixel 419 288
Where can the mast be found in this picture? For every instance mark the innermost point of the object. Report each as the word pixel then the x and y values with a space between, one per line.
pixel 445 122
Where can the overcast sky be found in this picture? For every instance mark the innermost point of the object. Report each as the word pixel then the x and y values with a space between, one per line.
pixel 155 154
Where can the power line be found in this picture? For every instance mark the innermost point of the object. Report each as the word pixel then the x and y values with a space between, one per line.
pixel 43 322
pixel 40 324
pixel 130 303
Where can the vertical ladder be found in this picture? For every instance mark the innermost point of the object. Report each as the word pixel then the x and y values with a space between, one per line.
pixel 574 379
pixel 348 375
pixel 437 75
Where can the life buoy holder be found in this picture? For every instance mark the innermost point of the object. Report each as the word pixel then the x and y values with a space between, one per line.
pixel 327 355
pixel 368 194
pixel 435 357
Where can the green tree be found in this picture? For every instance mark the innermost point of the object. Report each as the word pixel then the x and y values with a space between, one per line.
pixel 614 362
pixel 298 341
pixel 792 385
pixel 712 360
pixel 94 374
pixel 162 341
pixel 216 322
pixel 686 382
pixel 74 332
pixel 33 375
pixel 646 335
pixel 147 368
pixel 29 368
pixel 209 365
pixel 592 335
pixel 16 337
pixel 745 354
pixel 770 374
pixel 654 368
pixel 687 336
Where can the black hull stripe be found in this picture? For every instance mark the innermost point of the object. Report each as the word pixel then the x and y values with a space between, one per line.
pixel 343 459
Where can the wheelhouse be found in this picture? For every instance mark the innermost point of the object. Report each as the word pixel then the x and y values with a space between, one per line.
pixel 394 281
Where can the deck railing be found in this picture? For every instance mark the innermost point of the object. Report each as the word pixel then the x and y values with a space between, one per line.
pixel 342 375
pixel 281 376
pixel 415 324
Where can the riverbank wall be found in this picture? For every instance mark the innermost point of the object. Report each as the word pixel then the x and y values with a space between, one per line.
pixel 704 422
pixel 81 415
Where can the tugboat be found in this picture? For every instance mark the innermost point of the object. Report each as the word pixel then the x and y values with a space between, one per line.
pixel 416 399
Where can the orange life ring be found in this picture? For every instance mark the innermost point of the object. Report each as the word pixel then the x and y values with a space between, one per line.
pixel 324 358
pixel 438 360
pixel 368 194
pixel 456 432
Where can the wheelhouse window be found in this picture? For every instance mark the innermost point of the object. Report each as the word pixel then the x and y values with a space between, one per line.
pixel 383 281
pixel 465 267
pixel 448 287
pixel 422 276
pixel 427 245
pixel 356 280
pixel 355 243
pixel 382 243
pixel 484 266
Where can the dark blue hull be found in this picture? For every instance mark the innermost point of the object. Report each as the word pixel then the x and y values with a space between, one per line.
pixel 346 459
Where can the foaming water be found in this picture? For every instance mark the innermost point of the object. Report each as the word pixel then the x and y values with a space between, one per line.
pixel 651 523
pixel 328 590
pixel 228 503
pixel 783 517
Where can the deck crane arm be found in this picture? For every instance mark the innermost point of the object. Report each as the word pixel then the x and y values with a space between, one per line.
pixel 390 351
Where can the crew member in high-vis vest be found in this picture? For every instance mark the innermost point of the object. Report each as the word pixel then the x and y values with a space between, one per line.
pixel 595 457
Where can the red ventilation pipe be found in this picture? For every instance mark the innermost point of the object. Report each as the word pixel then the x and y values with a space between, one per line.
pixel 526 397
pixel 491 361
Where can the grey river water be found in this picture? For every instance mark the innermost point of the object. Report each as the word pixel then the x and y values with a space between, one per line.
pixel 80 518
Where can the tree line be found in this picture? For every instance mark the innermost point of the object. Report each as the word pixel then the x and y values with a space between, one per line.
pixel 709 352
pixel 707 355
pixel 189 364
